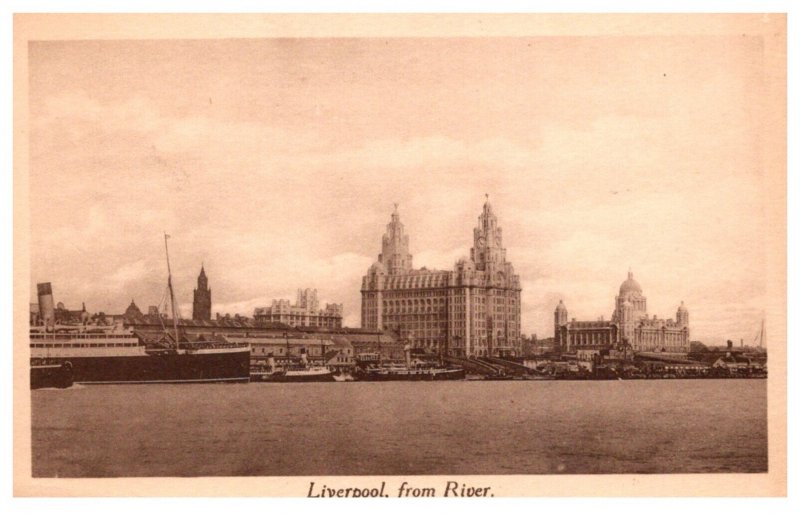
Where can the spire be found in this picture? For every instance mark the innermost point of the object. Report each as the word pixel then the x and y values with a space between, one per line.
pixel 201 305
pixel 487 207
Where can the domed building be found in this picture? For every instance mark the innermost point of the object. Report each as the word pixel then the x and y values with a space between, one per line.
pixel 630 326
pixel 473 310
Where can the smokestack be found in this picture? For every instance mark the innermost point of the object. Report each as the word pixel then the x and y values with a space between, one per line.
pixel 47 310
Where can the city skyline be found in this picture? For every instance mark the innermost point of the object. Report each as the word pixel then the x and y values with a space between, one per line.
pixel 598 156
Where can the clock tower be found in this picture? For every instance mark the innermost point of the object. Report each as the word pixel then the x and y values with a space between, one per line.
pixel 487 252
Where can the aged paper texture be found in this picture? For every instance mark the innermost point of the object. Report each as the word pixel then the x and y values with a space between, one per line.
pixel 532 255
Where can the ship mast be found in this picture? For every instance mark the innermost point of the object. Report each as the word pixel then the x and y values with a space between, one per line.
pixel 171 292
pixel 760 336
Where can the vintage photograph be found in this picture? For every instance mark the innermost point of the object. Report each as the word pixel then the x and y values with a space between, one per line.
pixel 523 252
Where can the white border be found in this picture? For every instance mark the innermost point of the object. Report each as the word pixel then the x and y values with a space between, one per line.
pixel 200 505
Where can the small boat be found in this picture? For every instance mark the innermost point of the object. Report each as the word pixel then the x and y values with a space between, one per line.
pixel 411 374
pixel 308 374
pixel 304 372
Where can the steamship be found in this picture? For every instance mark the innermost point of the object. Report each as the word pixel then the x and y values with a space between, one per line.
pixel 104 355
pixel 304 372
pixel 99 354
pixel 408 372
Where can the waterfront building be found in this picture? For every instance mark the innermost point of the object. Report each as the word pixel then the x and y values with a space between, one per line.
pixel 201 306
pixel 340 356
pixel 304 313
pixel 629 326
pixel 272 337
pixel 284 348
pixel 375 342
pixel 473 310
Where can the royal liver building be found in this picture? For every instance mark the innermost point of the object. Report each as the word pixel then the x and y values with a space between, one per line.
pixel 473 310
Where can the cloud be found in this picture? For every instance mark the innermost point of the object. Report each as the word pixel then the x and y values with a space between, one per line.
pixel 279 187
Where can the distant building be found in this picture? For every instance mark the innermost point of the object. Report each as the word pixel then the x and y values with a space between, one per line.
pixel 629 326
pixel 201 307
pixel 44 312
pixel 341 356
pixel 153 313
pixel 534 346
pixel 284 349
pixel 473 310
pixel 133 313
pixel 272 337
pixel 304 313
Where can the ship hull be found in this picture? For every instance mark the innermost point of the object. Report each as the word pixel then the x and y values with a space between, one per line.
pixel 413 375
pixel 164 368
pixel 299 377
pixel 54 376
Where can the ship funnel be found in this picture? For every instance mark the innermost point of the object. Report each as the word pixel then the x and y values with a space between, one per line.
pixel 303 357
pixel 271 362
pixel 47 309
pixel 407 351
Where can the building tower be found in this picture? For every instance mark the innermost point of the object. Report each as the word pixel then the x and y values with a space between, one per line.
pixel 630 307
pixel 201 307
pixel 473 310
pixel 395 256
pixel 682 316
pixel 487 252
pixel 307 300
pixel 559 320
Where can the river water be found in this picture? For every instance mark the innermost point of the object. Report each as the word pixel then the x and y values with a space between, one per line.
pixel 393 428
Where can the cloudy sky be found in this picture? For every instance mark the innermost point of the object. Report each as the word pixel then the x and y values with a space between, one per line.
pixel 276 163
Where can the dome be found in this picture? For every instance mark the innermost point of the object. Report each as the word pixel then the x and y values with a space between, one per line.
pixel 561 307
pixel 377 267
pixel 682 307
pixel 630 286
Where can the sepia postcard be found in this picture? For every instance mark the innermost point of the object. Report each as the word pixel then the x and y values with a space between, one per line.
pixel 400 256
